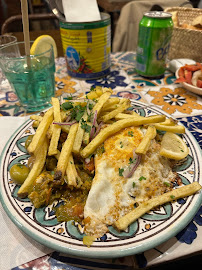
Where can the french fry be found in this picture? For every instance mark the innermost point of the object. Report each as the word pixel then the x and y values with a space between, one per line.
pixel 120 116
pixel 101 101
pixel 36 117
pixel 50 131
pixel 146 141
pixel 38 165
pixel 109 108
pixel 79 135
pixel 169 122
pixel 175 129
pixel 115 127
pixel 63 115
pixel 95 93
pixel 99 90
pixel 123 223
pixel 65 128
pixel 92 95
pixel 106 89
pixel 122 106
pixel 40 134
pixel 57 155
pixel 72 175
pixel 66 151
pixel 56 128
pixel 110 102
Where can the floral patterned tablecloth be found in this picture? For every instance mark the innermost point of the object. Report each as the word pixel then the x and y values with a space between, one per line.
pixel 164 93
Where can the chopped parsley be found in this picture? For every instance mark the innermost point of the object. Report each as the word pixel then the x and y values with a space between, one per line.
pixel 77 112
pixel 131 161
pixel 121 172
pixel 67 106
pixel 85 126
pixel 172 197
pixel 142 178
pixel 121 144
pixel 130 133
pixel 133 184
pixel 92 88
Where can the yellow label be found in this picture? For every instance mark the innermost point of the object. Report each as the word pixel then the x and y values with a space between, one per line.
pixel 87 51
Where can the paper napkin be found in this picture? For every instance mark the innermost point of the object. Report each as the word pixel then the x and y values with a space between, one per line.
pixel 16 248
pixel 81 11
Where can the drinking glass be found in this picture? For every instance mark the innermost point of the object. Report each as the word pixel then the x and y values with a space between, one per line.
pixel 32 77
pixel 5 40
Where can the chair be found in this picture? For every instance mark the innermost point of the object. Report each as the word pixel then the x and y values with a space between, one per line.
pixel 126 32
pixel 55 33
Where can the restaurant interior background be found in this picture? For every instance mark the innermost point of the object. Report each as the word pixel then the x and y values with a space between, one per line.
pixel 11 8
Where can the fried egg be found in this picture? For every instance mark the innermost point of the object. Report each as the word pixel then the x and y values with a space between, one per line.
pixel 112 195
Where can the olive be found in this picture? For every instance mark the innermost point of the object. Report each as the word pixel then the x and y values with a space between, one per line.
pixel 28 141
pixel 19 173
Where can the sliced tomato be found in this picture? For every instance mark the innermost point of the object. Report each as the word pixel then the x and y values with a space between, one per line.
pixel 199 65
pixel 181 79
pixel 188 76
pixel 192 67
pixel 181 72
pixel 199 83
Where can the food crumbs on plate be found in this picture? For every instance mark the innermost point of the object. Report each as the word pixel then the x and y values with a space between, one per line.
pixel 88 240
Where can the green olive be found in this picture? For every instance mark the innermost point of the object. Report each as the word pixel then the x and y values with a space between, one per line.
pixel 19 173
pixel 28 141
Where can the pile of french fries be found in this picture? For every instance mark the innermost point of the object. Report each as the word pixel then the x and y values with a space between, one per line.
pixel 101 116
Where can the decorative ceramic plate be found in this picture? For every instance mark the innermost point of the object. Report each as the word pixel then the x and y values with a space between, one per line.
pixel 147 232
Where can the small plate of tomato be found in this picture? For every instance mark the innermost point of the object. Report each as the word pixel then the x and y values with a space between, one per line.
pixel 190 76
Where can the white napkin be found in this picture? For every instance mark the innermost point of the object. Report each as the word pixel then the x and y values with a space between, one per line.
pixel 16 248
pixel 81 10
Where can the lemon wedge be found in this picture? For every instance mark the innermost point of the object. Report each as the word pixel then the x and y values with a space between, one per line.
pixel 172 146
pixel 41 44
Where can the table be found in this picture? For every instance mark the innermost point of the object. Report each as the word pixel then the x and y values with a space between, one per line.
pixel 167 95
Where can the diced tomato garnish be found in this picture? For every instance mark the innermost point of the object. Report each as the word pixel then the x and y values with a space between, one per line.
pixel 199 83
pixel 90 165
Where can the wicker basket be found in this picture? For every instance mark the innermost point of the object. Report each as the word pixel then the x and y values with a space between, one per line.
pixel 186 43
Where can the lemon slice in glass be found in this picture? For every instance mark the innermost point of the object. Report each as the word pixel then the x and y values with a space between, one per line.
pixel 41 44
pixel 172 146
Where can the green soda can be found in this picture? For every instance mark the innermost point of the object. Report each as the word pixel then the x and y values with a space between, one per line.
pixel 155 31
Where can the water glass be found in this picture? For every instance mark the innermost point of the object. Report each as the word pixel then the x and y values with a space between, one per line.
pixel 32 77
pixel 5 40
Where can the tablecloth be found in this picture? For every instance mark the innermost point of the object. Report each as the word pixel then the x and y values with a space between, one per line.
pixel 164 93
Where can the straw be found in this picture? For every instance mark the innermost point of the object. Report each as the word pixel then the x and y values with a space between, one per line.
pixel 25 22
